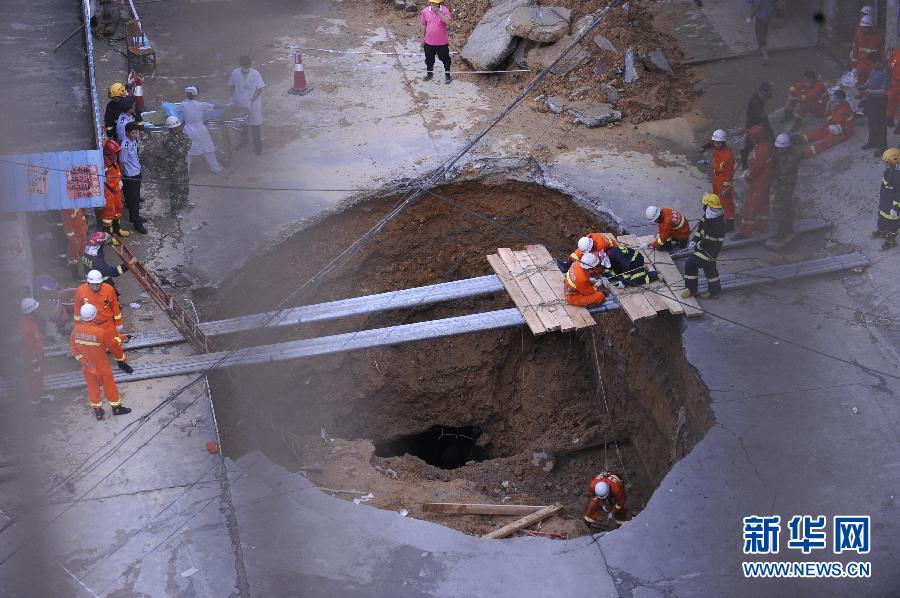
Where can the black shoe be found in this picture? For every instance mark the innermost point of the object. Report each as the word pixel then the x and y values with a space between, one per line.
pixel 99 413
pixel 867 146
pixel 123 365
pixel 139 227
pixel 119 410
pixel 447 79
pixel 428 76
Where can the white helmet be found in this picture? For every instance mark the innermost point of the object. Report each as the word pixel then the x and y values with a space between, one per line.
pixel 94 277
pixel 783 140
pixel 719 135
pixel 28 305
pixel 653 213
pixel 172 122
pixel 585 244
pixel 867 10
pixel 590 260
pixel 87 312
pixel 867 21
pixel 601 490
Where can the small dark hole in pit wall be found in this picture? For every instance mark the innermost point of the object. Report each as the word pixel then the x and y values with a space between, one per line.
pixel 447 447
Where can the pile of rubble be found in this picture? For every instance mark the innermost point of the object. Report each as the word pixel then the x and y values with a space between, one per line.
pixel 623 69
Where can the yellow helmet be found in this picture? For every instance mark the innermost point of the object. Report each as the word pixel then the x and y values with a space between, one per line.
pixel 891 156
pixel 712 200
pixel 116 90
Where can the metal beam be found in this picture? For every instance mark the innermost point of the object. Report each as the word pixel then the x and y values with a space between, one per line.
pixel 800 227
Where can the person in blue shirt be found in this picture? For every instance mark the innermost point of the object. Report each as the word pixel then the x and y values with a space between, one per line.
pixel 130 161
pixel 877 85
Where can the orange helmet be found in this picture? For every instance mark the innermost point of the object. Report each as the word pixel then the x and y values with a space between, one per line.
pixel 757 132
pixel 111 148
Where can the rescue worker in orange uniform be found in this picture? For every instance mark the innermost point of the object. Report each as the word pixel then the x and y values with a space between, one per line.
pixel 111 214
pixel 756 208
pixel 580 281
pixel 723 175
pixel 76 228
pixel 107 313
pixel 673 230
pixel 592 243
pixel 867 40
pixel 32 349
pixel 607 496
pixel 807 96
pixel 89 343
pixel 837 129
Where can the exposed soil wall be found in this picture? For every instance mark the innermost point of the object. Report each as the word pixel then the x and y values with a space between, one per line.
pixel 535 404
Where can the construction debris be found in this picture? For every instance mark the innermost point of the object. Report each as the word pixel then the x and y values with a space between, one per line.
pixel 490 44
pixel 518 524
pixel 545 24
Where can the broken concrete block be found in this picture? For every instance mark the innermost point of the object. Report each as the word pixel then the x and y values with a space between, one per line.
pixel 594 117
pixel 612 94
pixel 400 4
pixel 656 62
pixel 604 44
pixel 489 45
pixel 543 24
pixel 555 104
pixel 544 56
pixel 411 6
pixel 631 73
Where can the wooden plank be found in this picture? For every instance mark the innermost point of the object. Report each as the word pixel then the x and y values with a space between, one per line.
pixel 520 278
pixel 662 261
pixel 634 303
pixel 522 303
pixel 518 524
pixel 455 508
pixel 581 317
pixel 548 296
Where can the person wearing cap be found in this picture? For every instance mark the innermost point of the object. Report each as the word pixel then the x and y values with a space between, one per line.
pixel 889 201
pixel 836 129
pixel 126 116
pixel 107 314
pixel 875 92
pixel 707 243
pixel 867 40
pixel 435 40
pixel 130 160
pixel 32 349
pixel 761 13
pixel 176 146
pixel 807 96
pixel 784 181
pixel 89 343
pixel 195 127
pixel 246 90
pixel 607 497
pixel 757 114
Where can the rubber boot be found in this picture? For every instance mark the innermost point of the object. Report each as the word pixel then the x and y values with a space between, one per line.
pixel 889 242
pixel 878 234
pixel 428 76
pixel 447 79
pixel 123 365
pixel 117 228
pixel 112 235
pixel 120 410
pixel 99 413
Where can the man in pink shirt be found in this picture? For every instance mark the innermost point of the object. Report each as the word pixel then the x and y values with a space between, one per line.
pixel 435 19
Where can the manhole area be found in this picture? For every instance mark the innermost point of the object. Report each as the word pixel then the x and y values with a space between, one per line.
pixel 446 447
pixel 492 417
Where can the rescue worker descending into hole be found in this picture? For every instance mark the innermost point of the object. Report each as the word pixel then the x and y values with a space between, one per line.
pixel 607 496
pixel 89 343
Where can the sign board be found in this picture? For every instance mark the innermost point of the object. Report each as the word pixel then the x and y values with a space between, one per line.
pixel 51 181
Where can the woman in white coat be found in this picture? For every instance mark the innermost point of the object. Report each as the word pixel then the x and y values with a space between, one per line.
pixel 195 128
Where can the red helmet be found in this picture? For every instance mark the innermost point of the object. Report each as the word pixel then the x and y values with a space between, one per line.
pixel 98 238
pixel 111 148
pixel 757 132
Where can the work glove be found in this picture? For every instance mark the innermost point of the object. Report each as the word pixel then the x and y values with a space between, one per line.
pixel 893 213
pixel 604 282
pixel 619 284
pixel 692 245
pixel 645 245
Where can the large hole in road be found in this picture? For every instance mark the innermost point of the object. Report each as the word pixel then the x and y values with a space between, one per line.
pixel 497 416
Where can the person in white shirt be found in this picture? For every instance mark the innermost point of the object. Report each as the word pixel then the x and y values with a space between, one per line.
pixel 126 116
pixel 130 161
pixel 195 127
pixel 246 87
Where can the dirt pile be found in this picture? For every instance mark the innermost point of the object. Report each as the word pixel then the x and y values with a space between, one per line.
pixel 493 417
pixel 653 96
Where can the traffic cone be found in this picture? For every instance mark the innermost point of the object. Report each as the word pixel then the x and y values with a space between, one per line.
pixel 300 87
pixel 136 80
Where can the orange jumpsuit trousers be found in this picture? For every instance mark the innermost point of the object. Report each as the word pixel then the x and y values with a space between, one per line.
pixel 756 208
pixel 75 227
pixel 33 355
pixel 89 344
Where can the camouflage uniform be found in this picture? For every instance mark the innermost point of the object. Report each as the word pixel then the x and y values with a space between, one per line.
pixel 175 148
pixel 784 180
